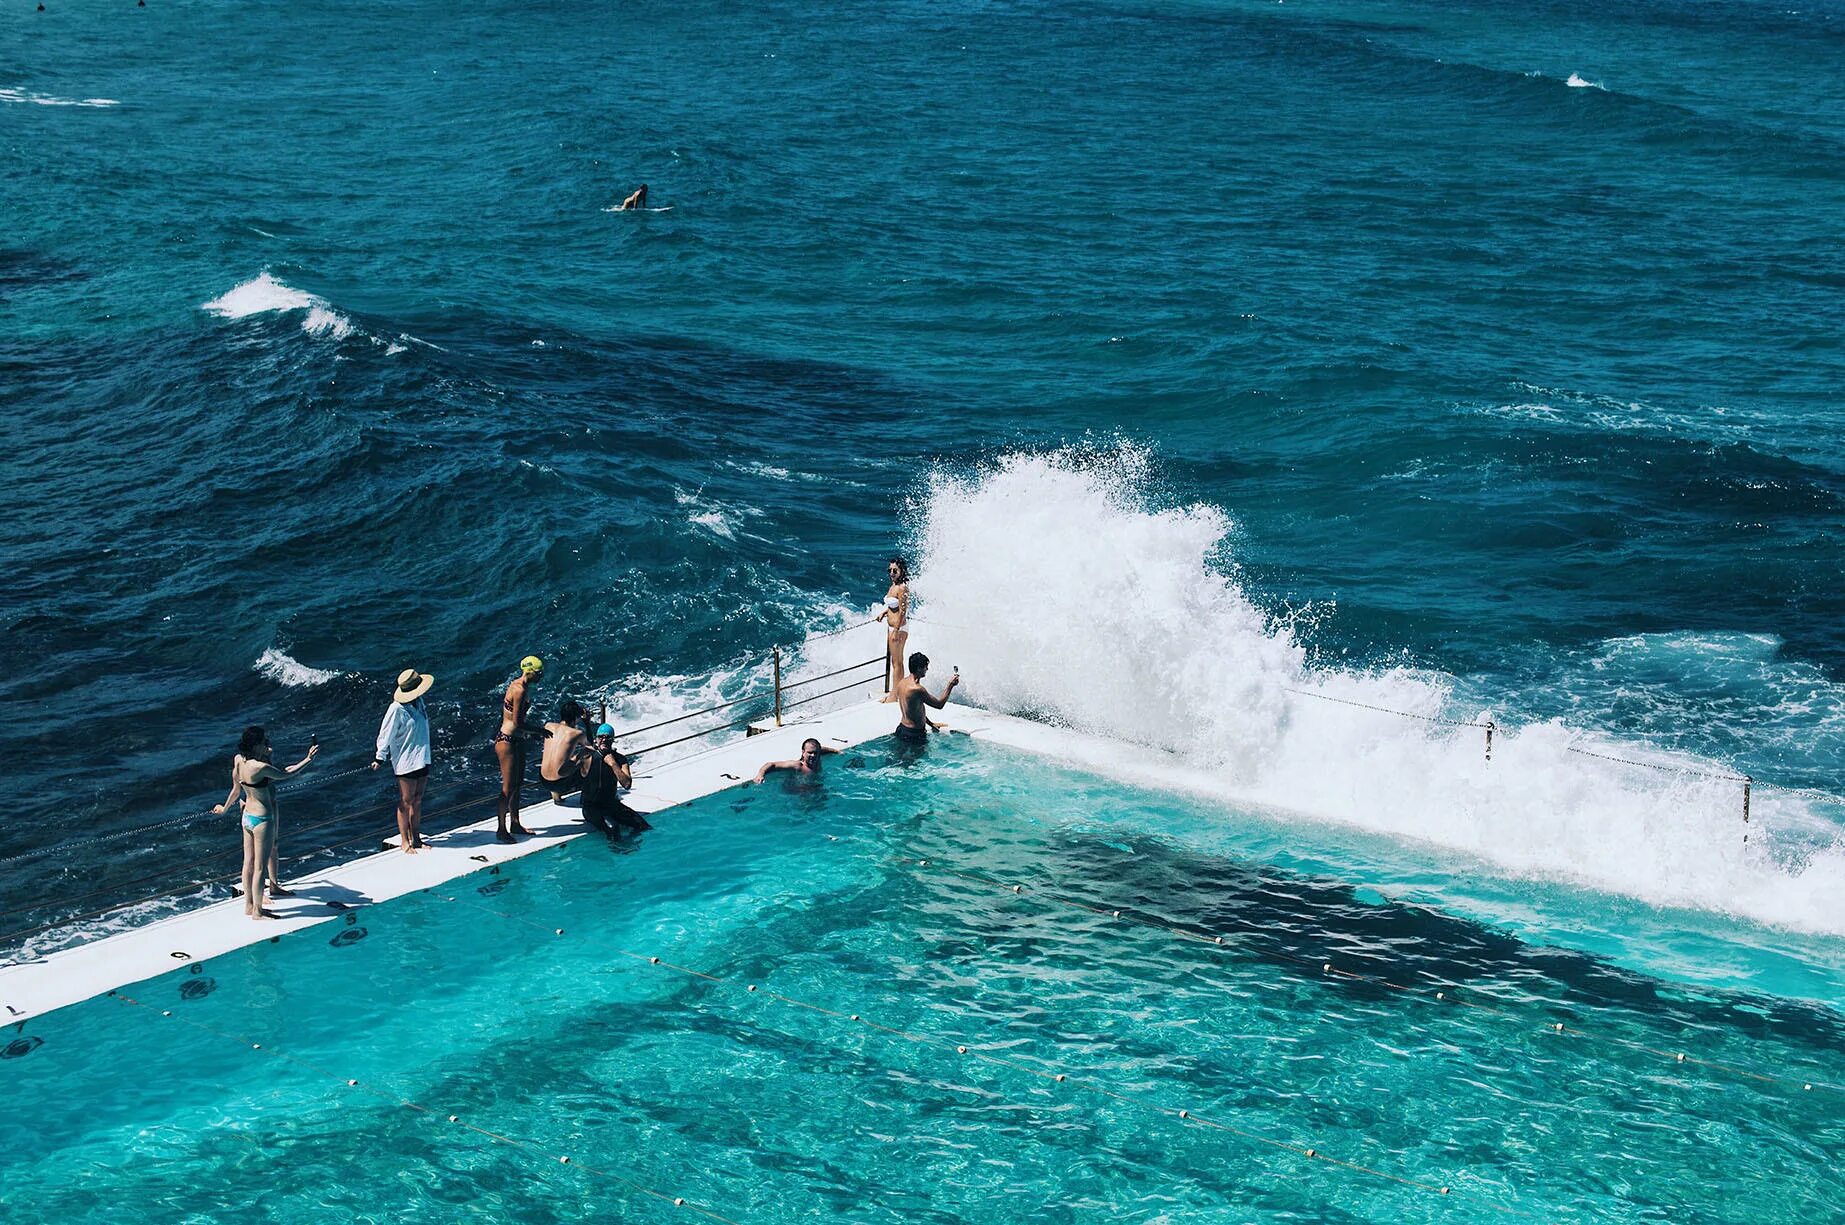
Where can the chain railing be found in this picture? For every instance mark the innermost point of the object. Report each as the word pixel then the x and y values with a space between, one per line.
pixel 774 697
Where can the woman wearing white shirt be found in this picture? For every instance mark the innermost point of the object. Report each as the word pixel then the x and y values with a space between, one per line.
pixel 403 741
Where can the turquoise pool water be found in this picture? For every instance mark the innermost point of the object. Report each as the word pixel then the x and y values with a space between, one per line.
pixel 466 1001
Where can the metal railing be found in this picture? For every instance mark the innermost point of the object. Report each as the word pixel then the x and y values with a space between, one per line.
pixel 773 697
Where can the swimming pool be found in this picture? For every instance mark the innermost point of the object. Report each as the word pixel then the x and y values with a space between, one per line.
pixel 900 1055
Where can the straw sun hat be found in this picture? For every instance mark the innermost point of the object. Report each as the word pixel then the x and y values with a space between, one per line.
pixel 412 685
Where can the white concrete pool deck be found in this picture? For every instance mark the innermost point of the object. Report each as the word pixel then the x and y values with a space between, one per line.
pixel 32 988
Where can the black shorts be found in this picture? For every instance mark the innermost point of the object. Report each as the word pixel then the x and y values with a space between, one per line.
pixel 423 773
pixel 911 735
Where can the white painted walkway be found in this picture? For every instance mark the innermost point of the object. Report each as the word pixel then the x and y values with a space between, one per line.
pixel 33 988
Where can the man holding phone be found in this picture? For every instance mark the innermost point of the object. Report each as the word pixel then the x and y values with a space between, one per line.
pixel 914 700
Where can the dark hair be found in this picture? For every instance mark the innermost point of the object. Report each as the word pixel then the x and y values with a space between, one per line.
pixel 570 712
pixel 252 736
pixel 808 741
pixel 903 567
pixel 919 663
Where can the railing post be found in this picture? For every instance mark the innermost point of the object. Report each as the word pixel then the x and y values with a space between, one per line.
pixel 1747 784
pixel 887 669
pixel 1489 740
pixel 777 657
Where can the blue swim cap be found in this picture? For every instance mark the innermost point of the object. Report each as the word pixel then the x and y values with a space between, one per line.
pixel 605 730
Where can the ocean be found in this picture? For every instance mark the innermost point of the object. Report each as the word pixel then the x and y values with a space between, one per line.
pixel 1208 360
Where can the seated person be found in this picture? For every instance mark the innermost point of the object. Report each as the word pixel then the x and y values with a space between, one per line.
pixel 807 763
pixel 566 752
pixel 606 773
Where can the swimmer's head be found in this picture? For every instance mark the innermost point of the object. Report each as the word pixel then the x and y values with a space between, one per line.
pixel 531 667
pixel 899 570
pixel 919 664
pixel 810 752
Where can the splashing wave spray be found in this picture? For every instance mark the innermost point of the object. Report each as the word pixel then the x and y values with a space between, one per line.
pixel 1066 591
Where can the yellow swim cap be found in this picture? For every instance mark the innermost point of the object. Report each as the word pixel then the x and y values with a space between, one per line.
pixel 531 665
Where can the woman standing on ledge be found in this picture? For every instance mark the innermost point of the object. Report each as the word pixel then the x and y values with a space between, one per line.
pixel 509 743
pixel 252 775
pixel 895 615
pixel 403 741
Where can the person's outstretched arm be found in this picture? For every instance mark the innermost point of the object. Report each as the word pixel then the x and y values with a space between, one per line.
pixel 769 767
pixel 236 790
pixel 942 701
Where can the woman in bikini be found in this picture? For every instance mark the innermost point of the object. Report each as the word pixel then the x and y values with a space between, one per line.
pixel 255 779
pixel 509 743
pixel 895 615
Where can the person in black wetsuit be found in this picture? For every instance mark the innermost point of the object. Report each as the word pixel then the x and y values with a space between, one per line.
pixel 609 772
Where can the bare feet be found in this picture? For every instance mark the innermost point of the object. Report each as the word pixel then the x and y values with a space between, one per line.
pixel 278 891
pixel 263 914
pixel 503 836
pixel 520 829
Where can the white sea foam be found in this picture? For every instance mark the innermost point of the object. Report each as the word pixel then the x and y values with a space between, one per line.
pixel 265 294
pixel 284 669
pixel 1576 81
pixel 38 99
pixel 1100 608
pixel 837 641
pixel 713 517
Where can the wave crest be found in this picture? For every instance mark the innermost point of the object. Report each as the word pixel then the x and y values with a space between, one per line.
pixel 265 294
pixel 282 668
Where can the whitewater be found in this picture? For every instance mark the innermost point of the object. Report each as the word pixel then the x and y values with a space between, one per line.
pixel 1100 609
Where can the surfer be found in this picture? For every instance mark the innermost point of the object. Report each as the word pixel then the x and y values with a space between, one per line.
pixel 895 614
pixel 509 743
pixel 808 763
pixel 403 741
pixel 915 700
pixel 637 201
pixel 566 752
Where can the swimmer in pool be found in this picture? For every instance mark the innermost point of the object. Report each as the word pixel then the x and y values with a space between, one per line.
pixel 636 201
pixel 915 700
pixel 808 763
pixel 895 615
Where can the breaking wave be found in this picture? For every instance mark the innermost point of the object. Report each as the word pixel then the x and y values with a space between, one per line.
pixel 1099 608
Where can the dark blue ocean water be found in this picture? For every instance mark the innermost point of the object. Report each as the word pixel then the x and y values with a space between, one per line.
pixel 1504 343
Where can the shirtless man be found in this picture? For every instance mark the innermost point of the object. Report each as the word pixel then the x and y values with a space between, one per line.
pixel 808 763
pixel 566 753
pixel 636 201
pixel 913 699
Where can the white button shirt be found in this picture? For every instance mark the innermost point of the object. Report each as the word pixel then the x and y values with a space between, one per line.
pixel 403 737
